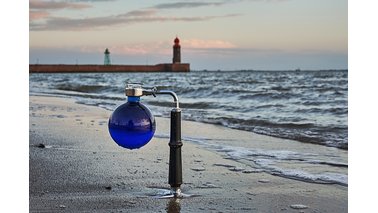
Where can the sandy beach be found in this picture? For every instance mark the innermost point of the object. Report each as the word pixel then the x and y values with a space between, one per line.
pixel 74 166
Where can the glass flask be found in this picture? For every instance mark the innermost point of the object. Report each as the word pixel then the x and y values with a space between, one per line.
pixel 132 124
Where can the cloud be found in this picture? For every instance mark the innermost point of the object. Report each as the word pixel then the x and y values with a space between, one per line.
pixel 35 15
pixel 269 1
pixel 39 11
pixel 131 49
pixel 193 4
pixel 231 51
pixel 165 47
pixel 177 5
pixel 55 5
pixel 199 44
pixel 146 12
pixel 92 0
pixel 61 23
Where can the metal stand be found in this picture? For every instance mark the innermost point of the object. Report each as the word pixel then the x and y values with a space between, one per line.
pixel 175 143
pixel 175 161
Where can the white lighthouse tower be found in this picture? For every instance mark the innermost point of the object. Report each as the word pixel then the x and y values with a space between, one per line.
pixel 107 57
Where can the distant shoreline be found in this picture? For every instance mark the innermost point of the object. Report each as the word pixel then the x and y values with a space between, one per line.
pixel 91 68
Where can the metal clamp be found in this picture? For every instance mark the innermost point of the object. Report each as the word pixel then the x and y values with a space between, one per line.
pixel 135 89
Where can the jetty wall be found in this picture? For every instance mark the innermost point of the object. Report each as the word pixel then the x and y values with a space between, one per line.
pixel 83 68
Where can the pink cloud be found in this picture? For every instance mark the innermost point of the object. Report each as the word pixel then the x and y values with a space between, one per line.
pixel 203 44
pixel 162 48
pixel 35 15
pixel 36 4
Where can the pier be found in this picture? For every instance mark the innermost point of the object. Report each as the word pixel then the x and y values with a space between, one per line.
pixel 86 68
pixel 175 66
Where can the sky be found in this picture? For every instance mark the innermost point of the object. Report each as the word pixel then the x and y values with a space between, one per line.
pixel 329 49
pixel 214 35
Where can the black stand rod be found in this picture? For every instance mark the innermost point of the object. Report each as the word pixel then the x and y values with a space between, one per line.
pixel 175 144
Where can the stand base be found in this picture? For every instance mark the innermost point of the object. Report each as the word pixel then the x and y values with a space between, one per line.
pixel 173 193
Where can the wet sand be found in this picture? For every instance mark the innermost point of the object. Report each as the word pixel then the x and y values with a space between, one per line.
pixel 74 166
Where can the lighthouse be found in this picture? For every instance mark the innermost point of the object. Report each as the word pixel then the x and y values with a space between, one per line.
pixel 107 57
pixel 176 51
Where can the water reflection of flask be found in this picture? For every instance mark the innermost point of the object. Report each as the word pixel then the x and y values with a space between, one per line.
pixel 132 124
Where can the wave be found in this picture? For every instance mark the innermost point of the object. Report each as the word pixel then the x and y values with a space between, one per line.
pixel 302 132
pixel 271 161
pixel 335 110
pixel 281 88
pixel 270 106
pixel 275 162
pixel 86 88
pixel 184 105
pixel 256 122
pixel 268 95
pixel 303 106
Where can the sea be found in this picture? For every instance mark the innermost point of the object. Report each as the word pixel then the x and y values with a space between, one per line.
pixel 305 106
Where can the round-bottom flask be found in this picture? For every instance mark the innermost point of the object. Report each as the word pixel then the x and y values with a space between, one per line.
pixel 132 124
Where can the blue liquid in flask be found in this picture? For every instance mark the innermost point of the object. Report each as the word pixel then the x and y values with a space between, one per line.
pixel 132 124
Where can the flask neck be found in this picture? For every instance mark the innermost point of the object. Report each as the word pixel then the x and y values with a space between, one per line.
pixel 133 99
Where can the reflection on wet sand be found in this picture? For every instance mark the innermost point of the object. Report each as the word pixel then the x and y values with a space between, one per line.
pixel 173 205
